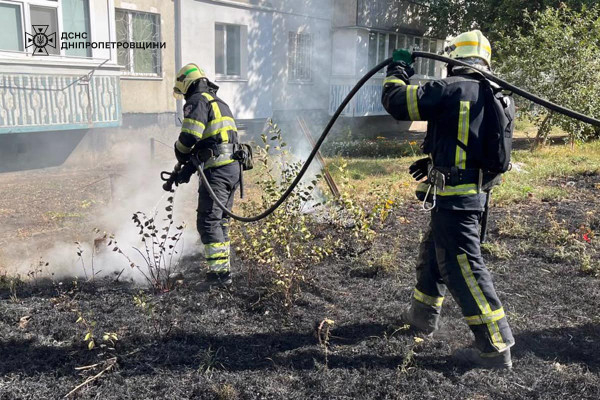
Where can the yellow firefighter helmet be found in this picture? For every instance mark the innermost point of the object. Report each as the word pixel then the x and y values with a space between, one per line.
pixel 185 77
pixel 470 44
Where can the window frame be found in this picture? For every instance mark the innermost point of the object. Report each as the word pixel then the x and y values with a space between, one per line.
pixel 128 70
pixel 21 7
pixel 420 66
pixel 297 35
pixel 25 7
pixel 225 76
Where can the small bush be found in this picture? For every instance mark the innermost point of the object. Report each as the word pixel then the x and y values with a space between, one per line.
pixel 283 246
pixel 160 253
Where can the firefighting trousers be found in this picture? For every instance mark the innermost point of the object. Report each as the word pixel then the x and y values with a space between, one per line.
pixel 212 223
pixel 450 258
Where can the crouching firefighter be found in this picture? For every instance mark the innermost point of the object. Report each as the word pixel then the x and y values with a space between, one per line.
pixel 468 143
pixel 209 133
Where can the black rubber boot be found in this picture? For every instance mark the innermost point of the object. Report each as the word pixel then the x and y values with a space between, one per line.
pixel 473 358
pixel 222 279
pixel 421 317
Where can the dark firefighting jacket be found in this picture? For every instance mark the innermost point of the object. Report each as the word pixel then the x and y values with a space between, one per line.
pixel 454 109
pixel 208 124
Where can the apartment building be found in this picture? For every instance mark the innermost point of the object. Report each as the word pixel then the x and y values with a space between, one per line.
pixel 74 74
pixel 83 74
pixel 285 58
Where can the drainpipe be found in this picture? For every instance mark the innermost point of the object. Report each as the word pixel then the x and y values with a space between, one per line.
pixel 177 4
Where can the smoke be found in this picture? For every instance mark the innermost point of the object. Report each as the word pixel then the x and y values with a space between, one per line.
pixel 135 186
pixel 132 183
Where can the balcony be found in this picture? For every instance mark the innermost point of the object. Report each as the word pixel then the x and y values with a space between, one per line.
pixel 30 103
pixel 390 15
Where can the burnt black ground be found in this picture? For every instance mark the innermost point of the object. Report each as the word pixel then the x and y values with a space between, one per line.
pixel 236 345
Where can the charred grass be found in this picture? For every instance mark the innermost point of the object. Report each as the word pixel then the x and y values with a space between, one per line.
pixel 243 344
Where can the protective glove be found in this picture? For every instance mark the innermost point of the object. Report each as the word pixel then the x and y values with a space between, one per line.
pixel 182 158
pixel 400 70
pixel 403 55
pixel 419 168
pixel 184 173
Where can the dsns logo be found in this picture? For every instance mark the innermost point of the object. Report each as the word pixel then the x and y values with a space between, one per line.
pixel 40 40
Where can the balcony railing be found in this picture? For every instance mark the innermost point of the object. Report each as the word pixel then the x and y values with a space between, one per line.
pixel 366 102
pixel 52 102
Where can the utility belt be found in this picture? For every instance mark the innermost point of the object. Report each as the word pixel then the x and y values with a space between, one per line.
pixel 218 155
pixel 226 153
pixel 454 176
pixel 452 181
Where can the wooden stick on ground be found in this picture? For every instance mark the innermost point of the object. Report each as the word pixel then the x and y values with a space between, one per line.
pixel 111 363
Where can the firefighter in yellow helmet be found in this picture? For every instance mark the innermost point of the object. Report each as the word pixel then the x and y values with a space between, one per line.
pixel 459 172
pixel 210 131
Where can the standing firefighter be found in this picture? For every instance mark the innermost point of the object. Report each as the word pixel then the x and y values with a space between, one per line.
pixel 209 130
pixel 468 146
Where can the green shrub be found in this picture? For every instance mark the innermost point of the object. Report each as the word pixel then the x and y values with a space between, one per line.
pixel 379 147
pixel 283 246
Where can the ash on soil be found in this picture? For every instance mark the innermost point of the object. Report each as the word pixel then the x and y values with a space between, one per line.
pixel 237 344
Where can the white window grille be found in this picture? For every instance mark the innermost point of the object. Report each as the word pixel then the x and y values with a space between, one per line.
pixel 299 57
pixel 228 50
pixel 135 26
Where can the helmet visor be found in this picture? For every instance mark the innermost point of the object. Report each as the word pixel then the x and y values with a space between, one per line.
pixel 177 94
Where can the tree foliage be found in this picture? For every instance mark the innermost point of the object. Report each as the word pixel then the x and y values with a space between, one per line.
pixel 557 56
pixel 495 18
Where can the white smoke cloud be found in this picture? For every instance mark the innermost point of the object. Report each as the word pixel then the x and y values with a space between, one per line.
pixel 136 188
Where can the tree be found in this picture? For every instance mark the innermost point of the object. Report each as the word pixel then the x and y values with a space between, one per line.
pixel 557 55
pixel 495 18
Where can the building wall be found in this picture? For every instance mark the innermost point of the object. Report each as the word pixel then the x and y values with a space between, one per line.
pixel 264 87
pixel 145 94
pixel 250 96
pixel 344 13
pixel 50 104
pixel 344 52
pixel 307 17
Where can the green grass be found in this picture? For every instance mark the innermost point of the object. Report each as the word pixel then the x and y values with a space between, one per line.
pixel 525 128
pixel 538 175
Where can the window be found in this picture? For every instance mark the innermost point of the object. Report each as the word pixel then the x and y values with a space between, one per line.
pixel 45 16
pixel 423 66
pixel 76 18
pixel 228 50
pixel 17 17
pixel 12 30
pixel 299 57
pixel 382 45
pixel 432 49
pixel 134 26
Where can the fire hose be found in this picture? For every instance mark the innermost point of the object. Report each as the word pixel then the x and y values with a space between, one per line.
pixel 437 57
